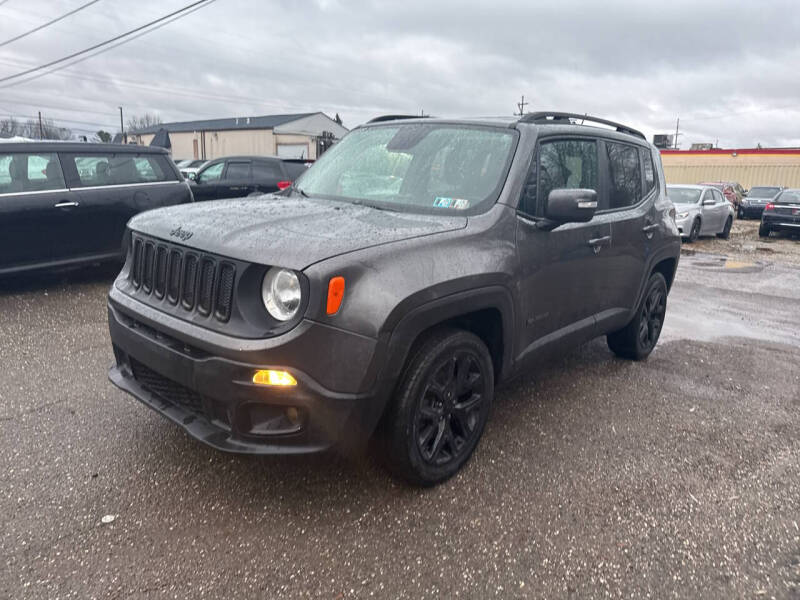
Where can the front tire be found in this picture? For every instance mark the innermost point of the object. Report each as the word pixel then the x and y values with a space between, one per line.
pixel 694 232
pixel 637 339
pixel 726 231
pixel 440 408
pixel 763 231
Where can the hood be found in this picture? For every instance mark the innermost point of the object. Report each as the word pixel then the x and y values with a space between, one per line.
pixel 288 232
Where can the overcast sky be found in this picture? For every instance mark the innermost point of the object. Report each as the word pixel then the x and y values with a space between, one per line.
pixel 728 69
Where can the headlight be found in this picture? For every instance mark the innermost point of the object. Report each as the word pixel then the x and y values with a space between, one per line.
pixel 281 293
pixel 682 215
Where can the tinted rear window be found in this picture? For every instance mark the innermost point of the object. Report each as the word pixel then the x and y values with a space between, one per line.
pixel 624 175
pixel 118 169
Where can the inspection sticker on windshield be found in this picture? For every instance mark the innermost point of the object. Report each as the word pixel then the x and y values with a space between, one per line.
pixel 443 202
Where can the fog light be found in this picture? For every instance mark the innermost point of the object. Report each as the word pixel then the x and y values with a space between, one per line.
pixel 271 377
pixel 293 415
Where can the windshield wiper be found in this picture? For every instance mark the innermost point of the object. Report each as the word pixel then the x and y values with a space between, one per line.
pixel 299 191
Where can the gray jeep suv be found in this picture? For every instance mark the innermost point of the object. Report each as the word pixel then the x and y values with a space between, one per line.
pixel 418 263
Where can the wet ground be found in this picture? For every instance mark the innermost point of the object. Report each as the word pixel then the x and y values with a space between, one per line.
pixel 596 477
pixel 745 245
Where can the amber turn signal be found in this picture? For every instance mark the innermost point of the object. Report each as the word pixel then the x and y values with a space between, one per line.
pixel 271 377
pixel 335 294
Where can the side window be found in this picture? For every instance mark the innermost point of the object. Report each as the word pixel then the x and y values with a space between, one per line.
pixel 119 169
pixel 719 197
pixel 624 175
pixel 30 173
pixel 266 170
pixel 152 168
pixel 559 164
pixel 210 174
pixel 238 171
pixel 649 170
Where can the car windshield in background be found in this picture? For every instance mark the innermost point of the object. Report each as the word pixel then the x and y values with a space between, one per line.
pixel 415 167
pixel 789 197
pixel 763 192
pixel 683 195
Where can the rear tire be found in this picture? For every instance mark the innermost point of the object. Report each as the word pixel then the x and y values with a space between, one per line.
pixel 726 231
pixel 763 231
pixel 440 407
pixel 637 339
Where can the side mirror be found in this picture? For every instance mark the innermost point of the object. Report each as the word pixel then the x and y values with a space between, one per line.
pixel 193 176
pixel 571 206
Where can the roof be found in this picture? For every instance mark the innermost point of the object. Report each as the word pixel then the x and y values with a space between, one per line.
pixel 77 147
pixel 263 122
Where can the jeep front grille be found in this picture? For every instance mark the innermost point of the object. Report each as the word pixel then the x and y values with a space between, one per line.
pixel 193 281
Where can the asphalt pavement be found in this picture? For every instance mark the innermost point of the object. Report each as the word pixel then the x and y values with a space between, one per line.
pixel 596 477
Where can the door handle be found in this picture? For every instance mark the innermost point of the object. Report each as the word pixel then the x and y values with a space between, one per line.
pixel 650 229
pixel 598 243
pixel 65 204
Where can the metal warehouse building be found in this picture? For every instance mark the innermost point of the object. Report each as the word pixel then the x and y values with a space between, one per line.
pixel 288 136
pixel 748 166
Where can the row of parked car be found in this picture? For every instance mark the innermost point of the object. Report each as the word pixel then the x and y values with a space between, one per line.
pixel 709 208
pixel 68 203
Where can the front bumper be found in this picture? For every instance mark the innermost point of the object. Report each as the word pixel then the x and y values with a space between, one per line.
pixel 212 397
pixel 684 225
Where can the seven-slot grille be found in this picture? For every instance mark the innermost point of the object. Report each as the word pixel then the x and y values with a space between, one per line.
pixel 192 280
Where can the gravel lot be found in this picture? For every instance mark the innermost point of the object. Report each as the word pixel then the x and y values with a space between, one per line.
pixel 676 477
pixel 744 244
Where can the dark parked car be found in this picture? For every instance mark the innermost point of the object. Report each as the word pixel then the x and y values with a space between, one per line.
pixel 64 204
pixel 238 176
pixel 756 199
pixel 783 214
pixel 414 266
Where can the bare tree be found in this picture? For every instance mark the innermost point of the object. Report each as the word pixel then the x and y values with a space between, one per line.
pixel 141 122
pixel 47 130
pixel 10 127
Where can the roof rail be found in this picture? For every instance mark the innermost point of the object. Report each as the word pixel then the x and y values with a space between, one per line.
pixel 556 118
pixel 395 118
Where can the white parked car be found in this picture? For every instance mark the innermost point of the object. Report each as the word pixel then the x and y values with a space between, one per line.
pixel 701 210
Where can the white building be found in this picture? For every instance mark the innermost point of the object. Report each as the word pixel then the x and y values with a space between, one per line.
pixel 287 136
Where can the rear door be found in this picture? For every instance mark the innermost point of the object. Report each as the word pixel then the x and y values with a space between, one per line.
pixel 267 174
pixel 629 202
pixel 561 271
pixel 112 187
pixel 237 179
pixel 34 200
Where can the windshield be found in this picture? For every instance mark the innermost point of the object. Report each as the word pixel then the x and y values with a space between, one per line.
pixel 683 195
pixel 763 192
pixel 789 197
pixel 415 167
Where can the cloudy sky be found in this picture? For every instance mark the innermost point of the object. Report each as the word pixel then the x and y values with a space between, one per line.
pixel 728 69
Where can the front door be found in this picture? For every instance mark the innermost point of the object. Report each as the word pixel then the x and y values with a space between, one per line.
pixel 206 182
pixel 561 271
pixel 33 201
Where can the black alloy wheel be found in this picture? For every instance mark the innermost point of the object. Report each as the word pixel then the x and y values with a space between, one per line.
pixel 440 408
pixel 637 339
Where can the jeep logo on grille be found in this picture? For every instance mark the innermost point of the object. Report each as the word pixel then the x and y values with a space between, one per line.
pixel 181 233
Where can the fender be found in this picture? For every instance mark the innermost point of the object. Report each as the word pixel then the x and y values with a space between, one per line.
pixel 395 344
pixel 656 258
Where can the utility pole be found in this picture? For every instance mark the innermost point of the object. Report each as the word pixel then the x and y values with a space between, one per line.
pixel 41 129
pixel 122 127
pixel 521 106
pixel 677 125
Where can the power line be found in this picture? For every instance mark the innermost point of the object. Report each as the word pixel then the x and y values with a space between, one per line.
pixel 3 2
pixel 121 36
pixel 18 116
pixel 38 104
pixel 56 20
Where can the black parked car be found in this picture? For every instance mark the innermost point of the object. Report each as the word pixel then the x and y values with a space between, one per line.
pixel 783 214
pixel 64 203
pixel 413 267
pixel 238 176
pixel 756 199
